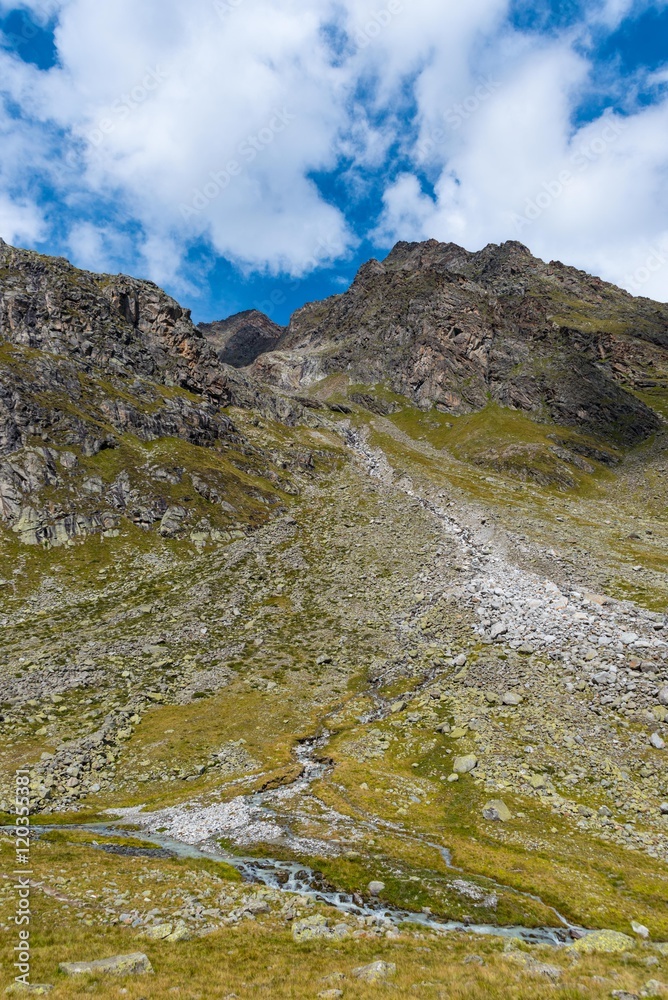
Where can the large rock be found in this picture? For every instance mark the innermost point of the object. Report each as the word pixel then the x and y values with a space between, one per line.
pixel 119 965
pixel 309 928
pixel 497 811
pixel 158 932
pixel 172 521
pixel 376 972
pixel 462 765
pixel 603 942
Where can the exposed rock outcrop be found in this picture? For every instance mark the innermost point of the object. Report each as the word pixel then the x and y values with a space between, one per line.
pixel 455 329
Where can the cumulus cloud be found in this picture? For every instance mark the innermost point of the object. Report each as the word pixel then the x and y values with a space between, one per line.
pixel 20 221
pixel 508 163
pixel 211 121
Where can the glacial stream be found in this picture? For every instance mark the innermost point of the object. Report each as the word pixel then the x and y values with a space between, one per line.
pixel 263 809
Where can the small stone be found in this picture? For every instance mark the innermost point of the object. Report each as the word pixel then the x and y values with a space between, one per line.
pixel 599 599
pixel 657 742
pixel 497 811
pixel 511 698
pixel 376 972
pixel 458 732
pixel 257 906
pixel 375 888
pixel 639 929
pixel 663 696
pixel 532 965
pixel 498 630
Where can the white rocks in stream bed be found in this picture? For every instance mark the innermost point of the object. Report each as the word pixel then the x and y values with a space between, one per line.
pixel 194 825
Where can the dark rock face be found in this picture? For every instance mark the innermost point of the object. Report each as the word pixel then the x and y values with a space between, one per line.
pixel 455 329
pixel 116 324
pixel 48 305
pixel 90 363
pixel 241 338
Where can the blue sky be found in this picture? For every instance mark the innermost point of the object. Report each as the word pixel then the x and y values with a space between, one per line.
pixel 253 153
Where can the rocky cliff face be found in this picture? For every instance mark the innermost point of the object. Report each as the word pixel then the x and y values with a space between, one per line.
pixel 92 363
pixel 241 338
pixel 455 329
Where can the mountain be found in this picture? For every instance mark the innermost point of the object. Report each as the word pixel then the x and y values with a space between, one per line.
pixel 92 363
pixel 349 664
pixel 455 330
pixel 239 339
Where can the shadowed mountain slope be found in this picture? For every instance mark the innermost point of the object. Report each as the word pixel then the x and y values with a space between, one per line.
pixel 239 339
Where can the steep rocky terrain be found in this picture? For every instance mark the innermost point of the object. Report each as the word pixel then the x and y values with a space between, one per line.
pixel 93 370
pixel 241 338
pixel 327 682
pixel 453 329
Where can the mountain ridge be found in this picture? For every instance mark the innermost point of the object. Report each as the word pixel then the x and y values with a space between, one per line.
pixel 450 328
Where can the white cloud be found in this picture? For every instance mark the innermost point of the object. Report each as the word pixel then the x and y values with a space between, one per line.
pixel 20 221
pixel 209 119
pixel 515 168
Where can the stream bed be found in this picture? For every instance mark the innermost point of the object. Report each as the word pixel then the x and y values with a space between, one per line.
pixel 266 816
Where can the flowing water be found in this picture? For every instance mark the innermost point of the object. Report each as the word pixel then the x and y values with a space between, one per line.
pixel 267 811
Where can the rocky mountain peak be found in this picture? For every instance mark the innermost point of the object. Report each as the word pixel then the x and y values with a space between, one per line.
pixel 241 338
pixel 454 329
